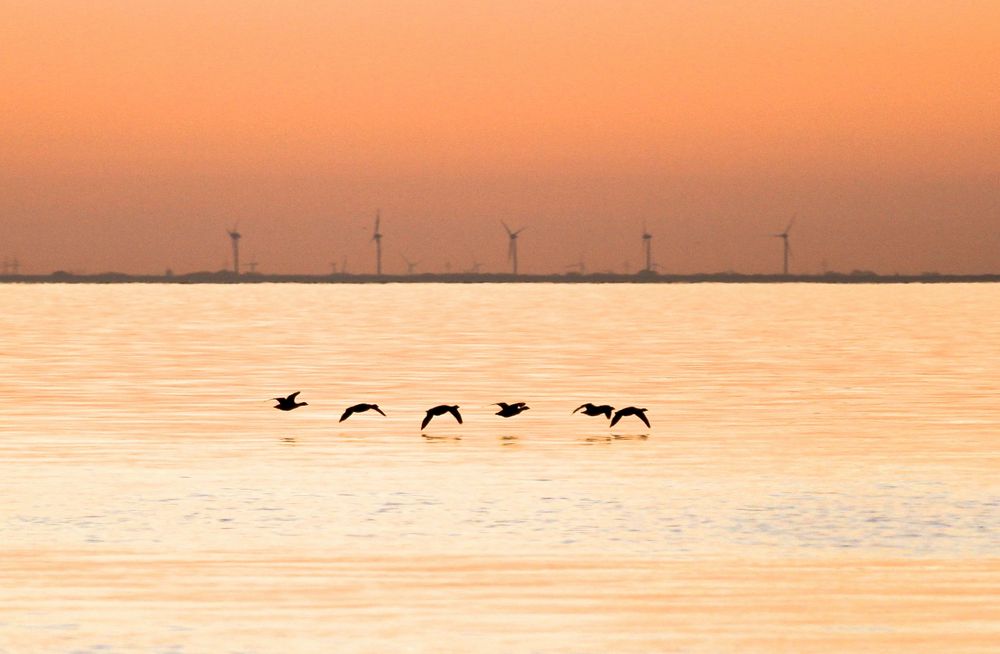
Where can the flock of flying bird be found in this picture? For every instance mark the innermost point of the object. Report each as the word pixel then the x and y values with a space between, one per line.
pixel 506 410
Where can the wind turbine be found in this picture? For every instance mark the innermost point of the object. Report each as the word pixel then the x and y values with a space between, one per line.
pixel 410 265
pixel 377 237
pixel 787 248
pixel 235 236
pixel 512 245
pixel 580 267
pixel 647 242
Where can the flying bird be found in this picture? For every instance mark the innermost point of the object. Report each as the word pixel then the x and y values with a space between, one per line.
pixel 441 410
pixel 288 403
pixel 509 410
pixel 630 411
pixel 358 408
pixel 595 410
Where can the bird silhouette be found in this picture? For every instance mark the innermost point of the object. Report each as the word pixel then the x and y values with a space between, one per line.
pixel 509 410
pixel 288 403
pixel 595 410
pixel 358 408
pixel 439 410
pixel 630 411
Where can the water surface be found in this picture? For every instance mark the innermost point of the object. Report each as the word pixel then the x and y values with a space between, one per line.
pixel 819 475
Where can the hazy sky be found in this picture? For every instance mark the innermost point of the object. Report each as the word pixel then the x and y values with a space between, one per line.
pixel 134 132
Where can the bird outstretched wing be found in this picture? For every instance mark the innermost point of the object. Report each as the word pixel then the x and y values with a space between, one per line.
pixel 347 413
pixel 454 411
pixel 374 407
pixel 618 416
pixel 427 419
pixel 642 416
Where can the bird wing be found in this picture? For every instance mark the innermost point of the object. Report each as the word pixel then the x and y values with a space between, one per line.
pixel 502 405
pixel 454 411
pixel 618 416
pixel 582 406
pixel 642 416
pixel 606 410
pixel 374 407
pixel 291 398
pixel 347 413
pixel 427 419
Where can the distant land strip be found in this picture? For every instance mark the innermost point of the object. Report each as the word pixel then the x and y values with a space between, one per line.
pixel 228 277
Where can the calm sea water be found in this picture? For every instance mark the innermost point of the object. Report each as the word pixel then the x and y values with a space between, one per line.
pixel 820 474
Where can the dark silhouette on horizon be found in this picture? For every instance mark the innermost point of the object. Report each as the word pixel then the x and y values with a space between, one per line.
pixel 510 410
pixel 410 265
pixel 512 246
pixel 595 410
pixel 377 237
pixel 359 408
pixel 226 276
pixel 288 403
pixel 647 243
pixel 235 236
pixel 787 248
pixel 439 410
pixel 630 411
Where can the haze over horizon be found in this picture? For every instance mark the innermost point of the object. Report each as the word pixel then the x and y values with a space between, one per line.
pixel 135 134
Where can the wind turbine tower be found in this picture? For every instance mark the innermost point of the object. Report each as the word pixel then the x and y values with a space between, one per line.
pixel 377 237
pixel 235 236
pixel 786 247
pixel 512 245
pixel 410 265
pixel 647 242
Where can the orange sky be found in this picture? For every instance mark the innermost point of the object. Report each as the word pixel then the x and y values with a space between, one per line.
pixel 144 129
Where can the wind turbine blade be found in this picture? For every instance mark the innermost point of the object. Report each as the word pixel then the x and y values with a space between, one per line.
pixel 790 223
pixel 519 231
pixel 509 233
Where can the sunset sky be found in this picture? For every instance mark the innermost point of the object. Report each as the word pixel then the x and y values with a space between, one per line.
pixel 133 133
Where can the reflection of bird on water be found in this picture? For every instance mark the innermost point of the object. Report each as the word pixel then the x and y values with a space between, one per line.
pixel 508 410
pixel 595 410
pixel 439 410
pixel 358 408
pixel 288 403
pixel 630 411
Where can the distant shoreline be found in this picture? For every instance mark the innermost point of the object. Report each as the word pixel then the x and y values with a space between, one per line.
pixel 226 277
